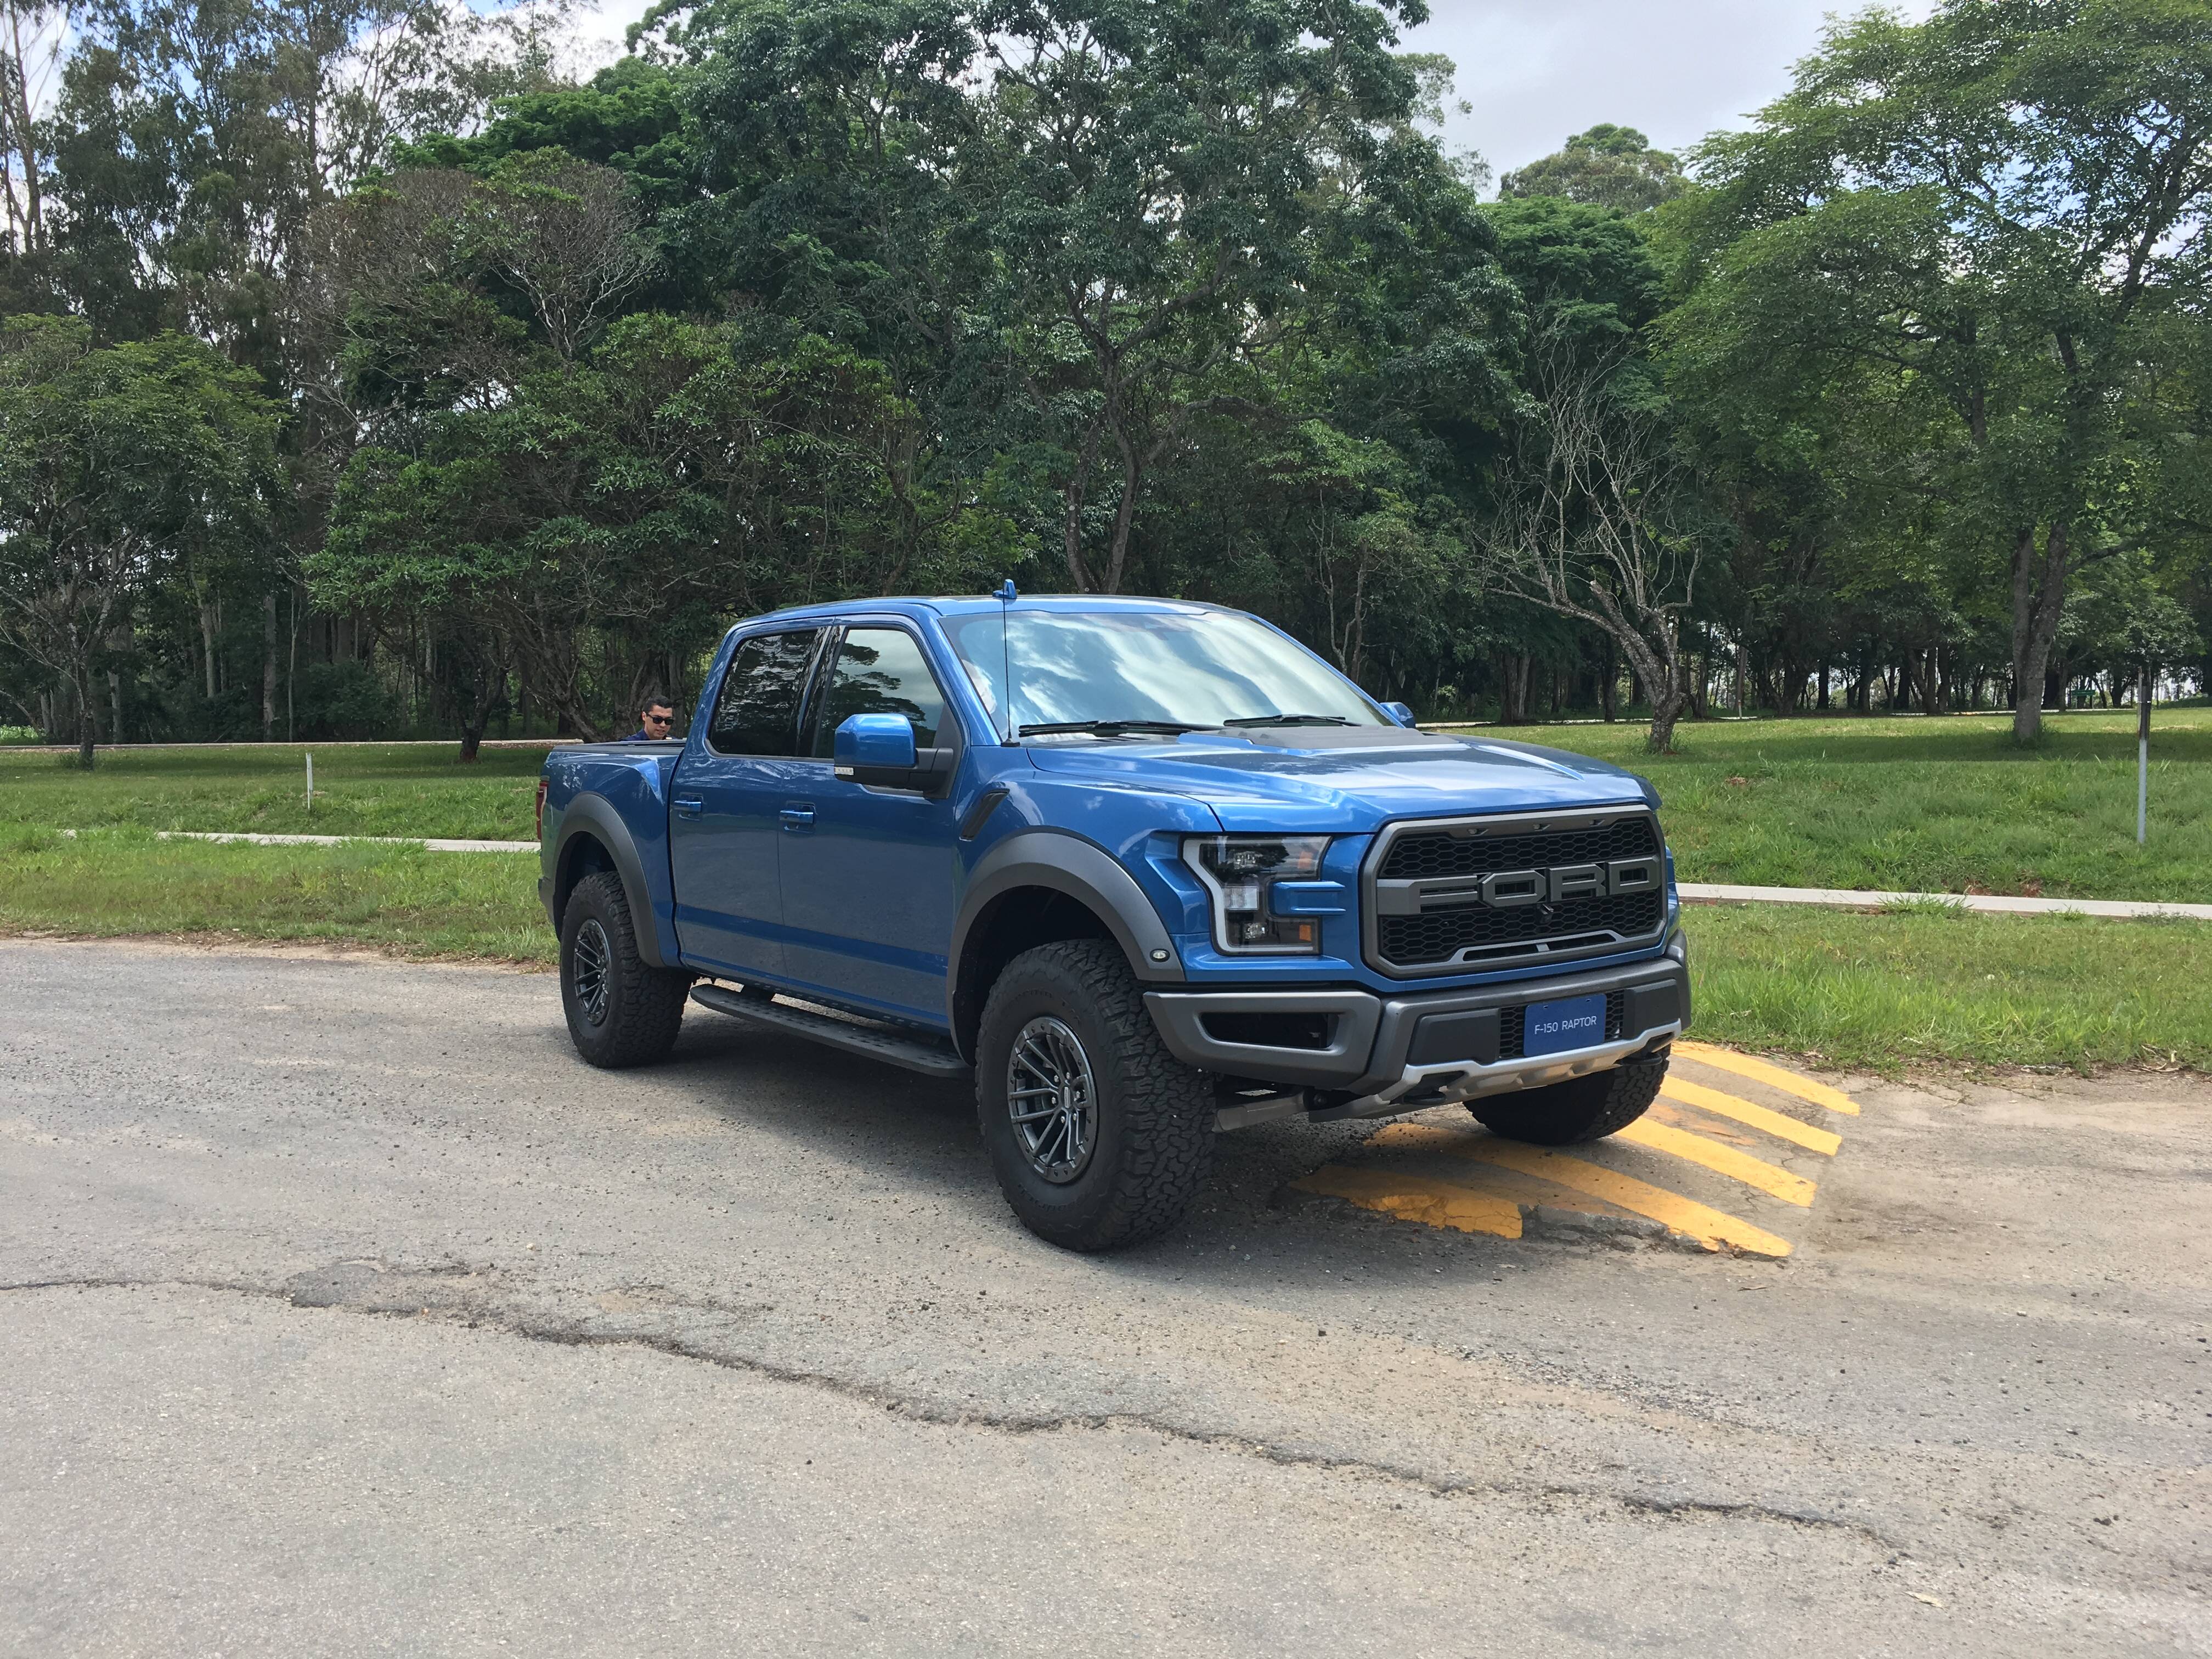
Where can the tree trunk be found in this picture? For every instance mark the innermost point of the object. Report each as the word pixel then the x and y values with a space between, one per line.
pixel 1608 685
pixel 2039 596
pixel 1671 671
pixel 87 726
pixel 269 667
pixel 1515 701
pixel 207 644
pixel 1125 519
pixel 1925 678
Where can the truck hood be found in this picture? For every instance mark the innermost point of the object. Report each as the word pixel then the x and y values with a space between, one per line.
pixel 1347 779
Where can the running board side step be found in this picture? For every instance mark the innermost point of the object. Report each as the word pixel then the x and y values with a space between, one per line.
pixel 885 1043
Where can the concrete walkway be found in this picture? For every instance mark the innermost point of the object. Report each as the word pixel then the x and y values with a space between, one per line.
pixel 1721 893
pixel 434 844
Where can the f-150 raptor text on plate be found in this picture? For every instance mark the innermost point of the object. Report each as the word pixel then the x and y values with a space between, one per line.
pixel 1148 870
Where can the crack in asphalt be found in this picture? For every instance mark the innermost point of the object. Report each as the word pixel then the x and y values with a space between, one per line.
pixel 521 1323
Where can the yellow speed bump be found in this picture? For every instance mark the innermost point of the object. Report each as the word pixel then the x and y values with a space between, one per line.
pixel 1708 1226
pixel 1721 1159
pixel 1774 1077
pixel 1780 1125
pixel 1413 1197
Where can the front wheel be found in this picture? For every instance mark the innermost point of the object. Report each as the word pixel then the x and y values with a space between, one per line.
pixel 622 1011
pixel 1581 1109
pixel 1099 1136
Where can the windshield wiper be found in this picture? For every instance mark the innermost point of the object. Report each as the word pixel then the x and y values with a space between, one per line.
pixel 1111 728
pixel 1288 720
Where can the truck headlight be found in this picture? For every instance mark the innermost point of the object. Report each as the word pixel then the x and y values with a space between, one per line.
pixel 1238 871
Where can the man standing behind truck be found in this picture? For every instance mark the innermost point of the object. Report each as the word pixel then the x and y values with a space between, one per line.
pixel 655 720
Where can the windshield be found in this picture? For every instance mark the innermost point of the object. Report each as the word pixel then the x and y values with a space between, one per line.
pixel 1178 668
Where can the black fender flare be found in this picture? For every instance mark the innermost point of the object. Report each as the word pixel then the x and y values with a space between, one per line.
pixel 595 816
pixel 1084 871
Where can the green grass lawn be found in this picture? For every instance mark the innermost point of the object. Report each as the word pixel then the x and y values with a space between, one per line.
pixel 401 899
pixel 1943 806
pixel 376 789
pixel 1927 805
pixel 1885 989
pixel 1881 989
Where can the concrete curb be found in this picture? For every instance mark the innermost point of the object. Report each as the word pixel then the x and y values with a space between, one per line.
pixel 1988 904
pixel 431 843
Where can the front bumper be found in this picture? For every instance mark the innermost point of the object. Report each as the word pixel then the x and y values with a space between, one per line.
pixel 1376 1055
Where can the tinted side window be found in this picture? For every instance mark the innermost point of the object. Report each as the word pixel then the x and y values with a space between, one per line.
pixel 758 713
pixel 881 671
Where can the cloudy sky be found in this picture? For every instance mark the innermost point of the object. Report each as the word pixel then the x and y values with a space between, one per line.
pixel 1535 70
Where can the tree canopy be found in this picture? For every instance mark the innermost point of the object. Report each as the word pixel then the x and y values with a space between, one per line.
pixel 531 382
pixel 1609 166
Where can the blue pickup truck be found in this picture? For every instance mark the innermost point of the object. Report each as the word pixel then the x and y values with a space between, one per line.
pixel 1146 870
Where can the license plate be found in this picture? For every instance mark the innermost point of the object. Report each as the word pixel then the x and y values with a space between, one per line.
pixel 1550 1028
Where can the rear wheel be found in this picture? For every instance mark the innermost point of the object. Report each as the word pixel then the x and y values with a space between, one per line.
pixel 1099 1136
pixel 622 1011
pixel 1581 1109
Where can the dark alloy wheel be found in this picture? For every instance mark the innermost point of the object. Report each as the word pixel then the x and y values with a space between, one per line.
pixel 1099 1136
pixel 1581 1109
pixel 593 961
pixel 622 1011
pixel 1052 1099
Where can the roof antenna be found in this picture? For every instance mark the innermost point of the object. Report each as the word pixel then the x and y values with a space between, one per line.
pixel 1006 596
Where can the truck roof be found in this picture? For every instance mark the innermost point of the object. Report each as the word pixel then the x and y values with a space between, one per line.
pixel 960 604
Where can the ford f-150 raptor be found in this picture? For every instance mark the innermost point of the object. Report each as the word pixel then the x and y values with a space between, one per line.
pixel 1147 870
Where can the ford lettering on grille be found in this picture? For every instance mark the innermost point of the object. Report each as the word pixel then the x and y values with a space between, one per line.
pixel 1526 887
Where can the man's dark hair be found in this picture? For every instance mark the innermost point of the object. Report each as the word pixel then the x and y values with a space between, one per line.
pixel 656 701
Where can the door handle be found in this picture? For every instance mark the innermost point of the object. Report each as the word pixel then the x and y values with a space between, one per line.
pixel 799 816
pixel 688 806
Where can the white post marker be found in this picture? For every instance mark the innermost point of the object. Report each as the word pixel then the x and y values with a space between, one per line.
pixel 310 784
pixel 2142 758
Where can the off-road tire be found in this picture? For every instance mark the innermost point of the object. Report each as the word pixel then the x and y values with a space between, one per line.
pixel 1581 1109
pixel 1153 1148
pixel 643 1005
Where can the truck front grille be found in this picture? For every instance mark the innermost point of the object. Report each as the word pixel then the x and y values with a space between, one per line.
pixel 1415 853
pixel 1427 913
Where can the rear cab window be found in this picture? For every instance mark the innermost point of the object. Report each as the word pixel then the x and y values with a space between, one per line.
pixel 758 710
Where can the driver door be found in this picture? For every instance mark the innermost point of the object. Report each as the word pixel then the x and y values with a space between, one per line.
pixel 868 872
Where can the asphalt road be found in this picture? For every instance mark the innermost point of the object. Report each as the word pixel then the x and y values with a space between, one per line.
pixel 342 1311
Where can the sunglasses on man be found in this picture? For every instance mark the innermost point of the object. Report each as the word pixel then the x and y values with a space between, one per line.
pixel 659 720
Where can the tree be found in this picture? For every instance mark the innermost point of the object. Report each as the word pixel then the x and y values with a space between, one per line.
pixel 1591 519
pixel 1151 182
pixel 618 507
pixel 111 461
pixel 1609 166
pixel 31 37
pixel 1592 514
pixel 1994 212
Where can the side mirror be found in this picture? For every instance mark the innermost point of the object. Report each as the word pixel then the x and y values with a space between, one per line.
pixel 1400 712
pixel 873 742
